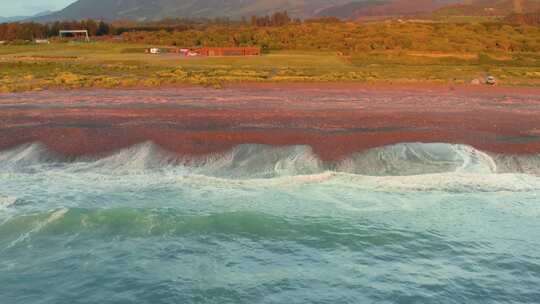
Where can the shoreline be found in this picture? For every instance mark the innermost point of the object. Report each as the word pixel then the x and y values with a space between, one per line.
pixel 385 84
pixel 417 86
pixel 336 119
pixel 389 85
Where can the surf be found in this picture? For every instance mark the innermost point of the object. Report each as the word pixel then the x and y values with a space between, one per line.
pixel 249 161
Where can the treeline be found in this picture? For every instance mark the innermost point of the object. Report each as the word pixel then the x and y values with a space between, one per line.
pixel 173 24
pixel 280 32
pixel 528 19
pixel 184 24
pixel 350 37
pixel 32 30
pixel 276 19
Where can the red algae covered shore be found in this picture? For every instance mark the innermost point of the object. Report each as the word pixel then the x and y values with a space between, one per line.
pixel 334 119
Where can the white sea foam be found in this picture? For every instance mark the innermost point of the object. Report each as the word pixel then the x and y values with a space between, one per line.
pixel 261 161
pixel 141 157
pixel 253 161
pixel 6 201
pixel 26 155
pixel 418 158
pixel 447 182
pixel 39 225
pixel 529 164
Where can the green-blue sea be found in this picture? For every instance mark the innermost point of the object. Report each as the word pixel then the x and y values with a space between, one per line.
pixel 409 223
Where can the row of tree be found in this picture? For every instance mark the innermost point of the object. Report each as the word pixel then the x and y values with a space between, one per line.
pixel 173 24
pixel 280 32
pixel 350 37
pixel 276 19
pixel 32 30
pixel 528 18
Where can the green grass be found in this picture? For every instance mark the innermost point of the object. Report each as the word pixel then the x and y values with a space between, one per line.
pixel 34 67
pixel 517 69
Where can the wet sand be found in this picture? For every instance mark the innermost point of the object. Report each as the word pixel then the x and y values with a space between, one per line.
pixel 335 119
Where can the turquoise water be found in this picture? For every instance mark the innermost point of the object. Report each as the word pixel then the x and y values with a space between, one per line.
pixel 411 223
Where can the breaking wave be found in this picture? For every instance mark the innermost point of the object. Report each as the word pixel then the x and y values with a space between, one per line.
pixel 418 158
pixel 26 156
pixel 144 221
pixel 254 161
pixel 277 217
pixel 7 201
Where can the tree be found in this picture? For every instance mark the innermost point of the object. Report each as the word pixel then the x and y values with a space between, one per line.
pixel 92 27
pixel 103 29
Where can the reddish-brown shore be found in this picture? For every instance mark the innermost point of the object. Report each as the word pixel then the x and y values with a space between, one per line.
pixel 335 119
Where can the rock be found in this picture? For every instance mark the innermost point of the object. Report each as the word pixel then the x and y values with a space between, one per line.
pixel 476 81
pixel 490 80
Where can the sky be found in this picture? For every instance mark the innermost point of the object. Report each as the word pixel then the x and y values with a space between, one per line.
pixel 9 8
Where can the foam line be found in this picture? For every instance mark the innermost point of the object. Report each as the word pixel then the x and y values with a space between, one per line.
pixel 250 161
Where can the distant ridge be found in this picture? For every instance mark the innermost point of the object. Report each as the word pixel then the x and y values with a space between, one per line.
pixel 144 10
pixel 490 8
pixel 22 18
pixel 159 9
pixel 13 19
pixel 354 10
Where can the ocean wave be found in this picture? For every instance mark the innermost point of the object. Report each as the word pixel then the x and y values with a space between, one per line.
pixel 141 157
pixel 33 224
pixel 7 201
pixel 254 161
pixel 418 158
pixel 156 222
pixel 261 161
pixel 26 156
pixel 444 182
pixel 529 164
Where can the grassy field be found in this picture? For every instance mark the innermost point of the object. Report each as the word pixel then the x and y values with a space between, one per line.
pixel 36 67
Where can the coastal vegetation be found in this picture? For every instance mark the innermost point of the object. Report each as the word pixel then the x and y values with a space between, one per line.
pixel 353 37
pixel 316 50
pixel 18 33
pixel 279 32
pixel 33 67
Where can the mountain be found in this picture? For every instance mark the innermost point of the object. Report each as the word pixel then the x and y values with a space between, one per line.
pixel 22 18
pixel 44 13
pixel 12 19
pixel 159 9
pixel 346 9
pixel 434 8
pixel 354 10
pixel 490 8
